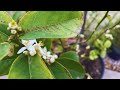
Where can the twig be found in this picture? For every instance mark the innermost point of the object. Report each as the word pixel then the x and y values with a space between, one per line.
pixel 111 19
pixel 108 29
pixel 98 24
pixel 83 26
pixel 84 23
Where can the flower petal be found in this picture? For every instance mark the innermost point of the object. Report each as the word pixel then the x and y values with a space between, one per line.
pixel 48 53
pixel 41 51
pixel 24 42
pixel 45 49
pixel 31 48
pixel 44 57
pixel 21 50
pixel 32 42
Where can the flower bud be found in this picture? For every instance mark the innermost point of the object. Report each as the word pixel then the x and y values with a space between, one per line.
pixel 55 56
pixel 88 47
pixel 52 60
pixel 13 31
pixel 82 36
pixel 83 55
pixel 108 31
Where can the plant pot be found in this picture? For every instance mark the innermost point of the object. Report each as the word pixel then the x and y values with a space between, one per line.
pixel 94 68
pixel 114 53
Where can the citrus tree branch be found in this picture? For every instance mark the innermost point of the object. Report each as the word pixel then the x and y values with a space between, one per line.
pixel 99 24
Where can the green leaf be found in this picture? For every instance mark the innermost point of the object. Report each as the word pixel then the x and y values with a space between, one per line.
pixel 59 71
pixel 71 55
pixel 98 43
pixel 5 18
pixel 3 37
pixel 5 66
pixel 17 15
pixel 93 54
pixel 3 28
pixel 5 49
pixel 107 44
pixel 51 24
pixel 75 68
pixel 25 67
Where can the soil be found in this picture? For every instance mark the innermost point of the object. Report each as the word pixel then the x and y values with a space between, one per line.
pixel 94 68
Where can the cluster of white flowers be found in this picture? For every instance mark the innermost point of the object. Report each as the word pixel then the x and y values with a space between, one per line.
pixel 32 47
pixel 13 27
pixel 108 35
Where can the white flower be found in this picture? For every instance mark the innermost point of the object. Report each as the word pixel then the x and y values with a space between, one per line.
pixel 31 50
pixel 29 46
pixel 109 36
pixel 28 43
pixel 48 57
pixel 45 53
pixel 51 58
pixel 13 27
pixel 12 24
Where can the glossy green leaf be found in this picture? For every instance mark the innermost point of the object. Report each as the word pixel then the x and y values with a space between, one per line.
pixel 59 71
pixel 76 69
pixel 51 24
pixel 5 49
pixel 17 15
pixel 71 55
pixel 25 67
pixel 5 66
pixel 5 18
pixel 3 37
pixel 3 29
